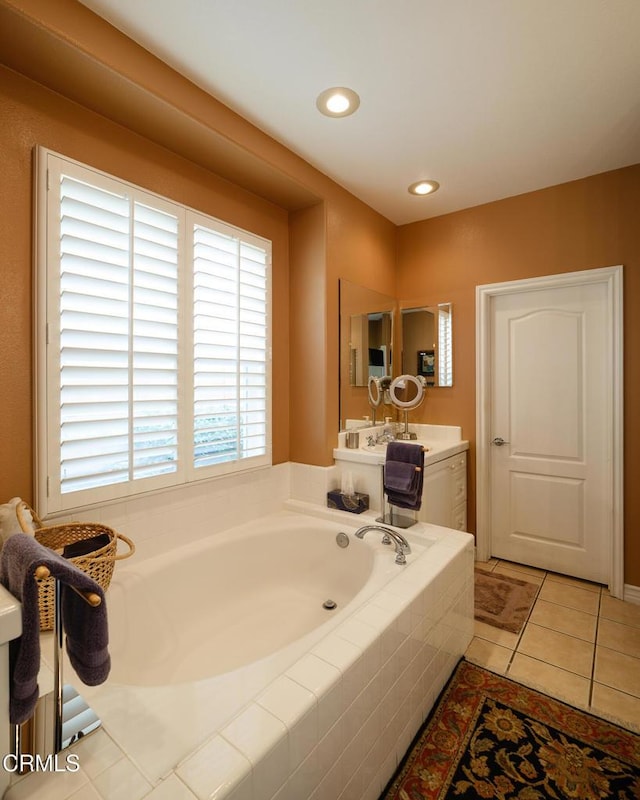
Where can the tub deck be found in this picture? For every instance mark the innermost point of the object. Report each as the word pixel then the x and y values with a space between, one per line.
pixel 336 707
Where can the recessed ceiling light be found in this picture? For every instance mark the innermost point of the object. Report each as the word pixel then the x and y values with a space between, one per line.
pixel 424 187
pixel 337 101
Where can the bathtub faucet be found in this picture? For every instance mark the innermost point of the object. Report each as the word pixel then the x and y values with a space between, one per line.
pixel 402 545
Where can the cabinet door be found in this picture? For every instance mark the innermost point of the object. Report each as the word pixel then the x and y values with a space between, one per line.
pixel 459 521
pixel 436 495
pixel 458 469
pixel 444 497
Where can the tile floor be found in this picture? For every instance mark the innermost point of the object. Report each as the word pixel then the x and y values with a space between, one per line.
pixel 578 644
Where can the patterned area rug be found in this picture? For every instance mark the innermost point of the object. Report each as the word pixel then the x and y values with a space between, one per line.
pixel 489 737
pixel 502 601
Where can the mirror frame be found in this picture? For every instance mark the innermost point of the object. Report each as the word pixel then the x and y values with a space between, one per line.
pixel 398 383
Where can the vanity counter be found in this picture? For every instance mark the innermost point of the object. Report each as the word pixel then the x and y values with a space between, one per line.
pixel 444 498
pixel 441 441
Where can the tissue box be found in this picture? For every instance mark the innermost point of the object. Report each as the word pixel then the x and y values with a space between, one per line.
pixel 355 503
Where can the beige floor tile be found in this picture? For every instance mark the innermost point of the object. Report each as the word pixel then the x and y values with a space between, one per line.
pixel 487 565
pixel 620 611
pixel 617 670
pixel 529 577
pixel 489 655
pixel 492 634
pixel 558 649
pixel 570 596
pixel 556 652
pixel 522 568
pixel 566 620
pixel 623 708
pixel 554 681
pixel 588 586
pixel 616 636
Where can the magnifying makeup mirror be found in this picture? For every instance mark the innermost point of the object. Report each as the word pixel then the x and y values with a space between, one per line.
pixel 406 393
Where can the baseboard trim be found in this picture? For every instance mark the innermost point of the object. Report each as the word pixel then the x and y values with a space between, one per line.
pixel 632 593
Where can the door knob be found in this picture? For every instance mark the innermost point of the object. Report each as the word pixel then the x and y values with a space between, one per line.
pixel 498 441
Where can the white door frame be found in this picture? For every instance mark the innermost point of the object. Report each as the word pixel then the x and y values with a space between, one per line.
pixel 612 278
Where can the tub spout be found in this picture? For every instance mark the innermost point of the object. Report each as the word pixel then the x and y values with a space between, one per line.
pixel 402 545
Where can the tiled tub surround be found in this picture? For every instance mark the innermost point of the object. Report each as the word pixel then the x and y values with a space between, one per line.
pixel 327 716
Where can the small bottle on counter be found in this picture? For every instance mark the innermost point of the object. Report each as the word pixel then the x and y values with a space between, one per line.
pixel 389 430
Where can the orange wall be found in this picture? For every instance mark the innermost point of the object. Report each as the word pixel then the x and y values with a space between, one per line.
pixel 580 225
pixel 308 345
pixel 340 239
pixel 33 116
pixel 361 248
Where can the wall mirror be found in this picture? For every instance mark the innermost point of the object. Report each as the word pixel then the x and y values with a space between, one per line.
pixel 366 336
pixel 370 347
pixel 427 343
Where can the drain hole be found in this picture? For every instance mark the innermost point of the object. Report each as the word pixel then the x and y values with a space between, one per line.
pixel 329 605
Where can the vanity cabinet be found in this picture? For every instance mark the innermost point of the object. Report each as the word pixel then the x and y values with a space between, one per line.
pixel 444 495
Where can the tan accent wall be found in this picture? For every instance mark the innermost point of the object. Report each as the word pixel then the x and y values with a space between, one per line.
pixel 308 345
pixel 580 225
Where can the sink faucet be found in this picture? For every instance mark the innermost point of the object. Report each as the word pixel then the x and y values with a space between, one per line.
pixel 402 545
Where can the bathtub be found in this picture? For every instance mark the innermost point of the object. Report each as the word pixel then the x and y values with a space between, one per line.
pixel 230 672
pixel 222 604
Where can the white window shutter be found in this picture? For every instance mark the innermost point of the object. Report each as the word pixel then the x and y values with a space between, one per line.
pixel 155 343
pixel 445 347
pixel 152 363
pixel 94 336
pixel 118 338
pixel 230 348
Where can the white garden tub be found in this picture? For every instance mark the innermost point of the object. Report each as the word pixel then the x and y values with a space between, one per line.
pixel 239 597
pixel 228 670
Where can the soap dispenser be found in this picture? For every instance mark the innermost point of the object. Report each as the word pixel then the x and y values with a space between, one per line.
pixel 389 431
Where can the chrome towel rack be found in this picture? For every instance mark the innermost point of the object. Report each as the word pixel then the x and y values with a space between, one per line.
pixel 89 720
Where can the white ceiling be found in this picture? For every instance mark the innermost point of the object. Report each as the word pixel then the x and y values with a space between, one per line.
pixel 491 98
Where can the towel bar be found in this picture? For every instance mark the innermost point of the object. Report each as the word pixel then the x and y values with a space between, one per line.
pixel 42 573
pixel 58 744
pixel 93 599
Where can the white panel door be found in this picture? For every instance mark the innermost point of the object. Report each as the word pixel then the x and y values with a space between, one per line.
pixel 551 485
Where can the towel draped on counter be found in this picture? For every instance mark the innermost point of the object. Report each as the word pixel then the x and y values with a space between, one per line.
pixel 404 474
pixel 85 626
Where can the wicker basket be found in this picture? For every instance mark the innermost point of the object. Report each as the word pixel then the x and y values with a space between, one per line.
pixel 98 563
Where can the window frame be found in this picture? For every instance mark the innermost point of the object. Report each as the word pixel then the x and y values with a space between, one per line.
pixel 46 311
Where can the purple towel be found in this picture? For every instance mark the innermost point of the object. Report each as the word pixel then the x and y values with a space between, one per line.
pixel 407 452
pixel 87 634
pixel 400 477
pixel 402 482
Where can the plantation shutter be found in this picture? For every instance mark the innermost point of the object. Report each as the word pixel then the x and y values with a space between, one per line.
pixel 152 331
pixel 445 360
pixel 230 348
pixel 155 343
pixel 118 338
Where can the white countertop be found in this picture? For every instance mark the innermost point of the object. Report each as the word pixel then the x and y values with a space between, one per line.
pixel 440 441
